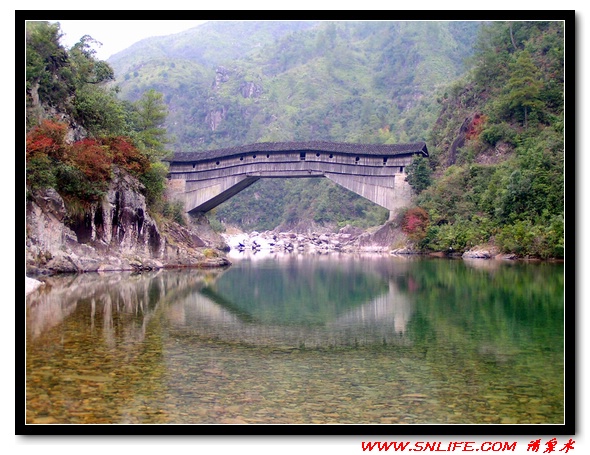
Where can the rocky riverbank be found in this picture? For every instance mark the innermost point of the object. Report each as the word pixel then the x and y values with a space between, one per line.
pixel 383 239
pixel 348 239
pixel 114 234
pixel 31 284
pixel 487 252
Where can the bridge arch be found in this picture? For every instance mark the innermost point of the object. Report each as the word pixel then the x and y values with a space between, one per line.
pixel 203 180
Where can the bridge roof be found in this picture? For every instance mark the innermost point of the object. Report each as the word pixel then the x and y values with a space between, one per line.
pixel 310 146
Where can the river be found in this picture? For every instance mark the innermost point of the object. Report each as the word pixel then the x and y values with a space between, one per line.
pixel 301 339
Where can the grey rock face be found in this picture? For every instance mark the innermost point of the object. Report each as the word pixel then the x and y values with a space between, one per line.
pixel 116 233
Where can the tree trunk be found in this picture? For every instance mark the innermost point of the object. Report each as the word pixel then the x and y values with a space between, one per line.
pixel 512 37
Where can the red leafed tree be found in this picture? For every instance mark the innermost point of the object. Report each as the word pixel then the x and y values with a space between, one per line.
pixel 126 155
pixel 476 126
pixel 47 139
pixel 92 158
pixel 415 222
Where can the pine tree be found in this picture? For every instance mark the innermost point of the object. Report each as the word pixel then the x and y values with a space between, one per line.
pixel 524 87
pixel 419 174
pixel 151 113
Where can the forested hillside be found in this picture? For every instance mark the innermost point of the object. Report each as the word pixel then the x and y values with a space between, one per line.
pixel 335 81
pixel 497 147
pixel 487 98
pixel 78 129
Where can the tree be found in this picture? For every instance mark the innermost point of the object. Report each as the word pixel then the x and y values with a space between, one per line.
pixel 415 223
pixel 89 70
pixel 523 90
pixel 419 174
pixel 150 115
pixel 74 84
pixel 48 77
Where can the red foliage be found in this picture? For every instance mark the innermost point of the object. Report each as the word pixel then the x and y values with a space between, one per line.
pixel 93 159
pixel 415 222
pixel 48 139
pixel 126 155
pixel 476 126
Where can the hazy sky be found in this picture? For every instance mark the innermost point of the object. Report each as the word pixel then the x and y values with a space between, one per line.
pixel 118 35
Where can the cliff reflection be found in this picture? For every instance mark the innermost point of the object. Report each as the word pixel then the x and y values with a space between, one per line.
pixel 289 301
pixel 119 305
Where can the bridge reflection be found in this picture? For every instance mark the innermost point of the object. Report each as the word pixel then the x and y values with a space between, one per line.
pixel 381 320
pixel 348 316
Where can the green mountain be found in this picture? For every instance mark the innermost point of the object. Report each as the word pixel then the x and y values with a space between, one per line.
pixel 209 44
pixel 498 149
pixel 227 83
pixel 231 83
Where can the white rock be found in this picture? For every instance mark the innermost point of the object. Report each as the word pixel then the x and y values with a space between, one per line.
pixel 31 284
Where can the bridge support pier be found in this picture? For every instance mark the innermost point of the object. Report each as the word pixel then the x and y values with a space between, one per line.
pixel 202 196
pixel 391 192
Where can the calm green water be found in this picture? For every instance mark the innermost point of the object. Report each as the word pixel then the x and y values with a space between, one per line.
pixel 301 339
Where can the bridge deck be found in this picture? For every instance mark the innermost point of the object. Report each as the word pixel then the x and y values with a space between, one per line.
pixel 389 150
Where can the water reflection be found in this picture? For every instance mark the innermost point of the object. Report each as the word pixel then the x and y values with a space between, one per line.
pixel 300 300
pixel 391 309
pixel 110 301
pixel 305 302
pixel 300 339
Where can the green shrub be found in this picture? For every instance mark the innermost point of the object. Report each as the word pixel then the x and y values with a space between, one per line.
pixel 154 181
pixel 527 239
pixel 72 182
pixel 216 225
pixel 41 172
pixel 498 132
pixel 174 210
pixel 210 253
pixel 460 235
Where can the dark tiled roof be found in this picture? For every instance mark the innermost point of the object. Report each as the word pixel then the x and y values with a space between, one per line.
pixel 311 146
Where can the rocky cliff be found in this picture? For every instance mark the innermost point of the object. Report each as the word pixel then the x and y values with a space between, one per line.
pixel 116 233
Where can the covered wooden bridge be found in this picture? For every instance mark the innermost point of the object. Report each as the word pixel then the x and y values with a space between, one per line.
pixel 203 180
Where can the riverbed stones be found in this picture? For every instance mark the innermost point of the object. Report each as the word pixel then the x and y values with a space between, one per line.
pixel 481 252
pixel 290 241
pixel 347 239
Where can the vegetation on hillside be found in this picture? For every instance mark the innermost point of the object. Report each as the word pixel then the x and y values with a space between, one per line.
pixel 340 81
pixel 78 128
pixel 486 98
pixel 503 181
